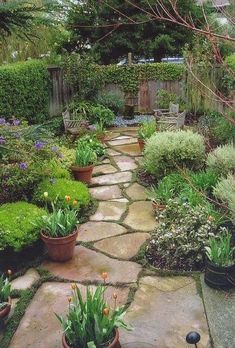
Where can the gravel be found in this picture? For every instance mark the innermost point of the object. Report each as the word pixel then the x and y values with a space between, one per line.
pixel 121 122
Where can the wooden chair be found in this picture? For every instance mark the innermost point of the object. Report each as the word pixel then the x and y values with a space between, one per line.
pixel 173 108
pixel 176 120
pixel 71 125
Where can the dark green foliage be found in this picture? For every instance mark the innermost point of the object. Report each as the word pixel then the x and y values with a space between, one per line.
pixel 24 91
pixel 16 225
pixel 59 188
pixel 111 101
pixel 94 23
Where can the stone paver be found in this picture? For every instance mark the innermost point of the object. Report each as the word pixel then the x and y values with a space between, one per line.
pixel 125 163
pixel 125 200
pixel 112 152
pixel 220 309
pixel 132 149
pixel 93 231
pixel 105 193
pixel 87 265
pixel 104 169
pixel 39 327
pixel 122 141
pixel 26 281
pixel 123 247
pixel 109 211
pixel 136 192
pixel 110 179
pixel 140 216
pixel 164 310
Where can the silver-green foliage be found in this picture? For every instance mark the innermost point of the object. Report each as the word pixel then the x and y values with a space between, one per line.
pixel 85 156
pixel 87 325
pixel 60 223
pixel 168 151
pixel 219 251
pixel 5 290
pixel 222 159
pixel 225 191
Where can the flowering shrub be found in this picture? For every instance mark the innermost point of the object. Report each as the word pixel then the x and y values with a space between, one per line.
pixel 222 159
pixel 180 239
pixel 59 189
pixel 16 225
pixel 167 151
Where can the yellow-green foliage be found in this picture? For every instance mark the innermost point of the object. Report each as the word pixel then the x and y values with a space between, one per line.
pixel 16 225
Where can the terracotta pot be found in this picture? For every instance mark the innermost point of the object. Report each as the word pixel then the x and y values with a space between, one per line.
pixel 141 144
pixel 157 206
pixel 60 249
pixel 6 310
pixel 83 174
pixel 114 344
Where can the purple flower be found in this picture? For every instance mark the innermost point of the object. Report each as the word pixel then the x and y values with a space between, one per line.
pixel 2 120
pixel 39 145
pixel 54 148
pixel 2 140
pixel 23 165
pixel 16 122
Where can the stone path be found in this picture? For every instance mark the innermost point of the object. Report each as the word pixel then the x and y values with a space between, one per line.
pixel 162 309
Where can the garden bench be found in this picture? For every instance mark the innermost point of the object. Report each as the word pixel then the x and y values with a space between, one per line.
pixel 71 125
pixel 173 108
pixel 172 119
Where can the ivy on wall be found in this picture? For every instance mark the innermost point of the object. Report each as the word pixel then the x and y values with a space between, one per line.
pixel 24 91
pixel 128 77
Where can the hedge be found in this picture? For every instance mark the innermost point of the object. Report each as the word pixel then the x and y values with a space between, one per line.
pixel 128 77
pixel 24 91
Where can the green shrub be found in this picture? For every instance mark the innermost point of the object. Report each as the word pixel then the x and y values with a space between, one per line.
pixel 179 241
pixel 147 129
pixel 16 225
pixel 165 152
pixel 111 101
pixel 101 115
pixel 222 159
pixel 225 191
pixel 59 189
pixel 24 91
pixel 204 181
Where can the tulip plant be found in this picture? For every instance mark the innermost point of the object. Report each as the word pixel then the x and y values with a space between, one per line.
pixel 91 323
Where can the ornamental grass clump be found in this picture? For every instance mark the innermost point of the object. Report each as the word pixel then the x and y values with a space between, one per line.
pixel 92 322
pixel 85 156
pixel 166 152
pixel 220 251
pixel 180 239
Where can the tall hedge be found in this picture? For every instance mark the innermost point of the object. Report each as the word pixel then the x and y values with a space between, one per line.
pixel 24 91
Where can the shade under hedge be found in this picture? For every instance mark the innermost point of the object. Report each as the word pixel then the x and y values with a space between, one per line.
pixel 24 91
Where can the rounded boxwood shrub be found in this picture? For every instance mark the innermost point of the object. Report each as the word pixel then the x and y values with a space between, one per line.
pixel 58 189
pixel 222 159
pixel 168 151
pixel 17 230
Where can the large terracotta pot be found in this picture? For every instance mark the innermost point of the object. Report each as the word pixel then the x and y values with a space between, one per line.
pixel 83 174
pixel 114 344
pixel 141 144
pixel 6 310
pixel 60 249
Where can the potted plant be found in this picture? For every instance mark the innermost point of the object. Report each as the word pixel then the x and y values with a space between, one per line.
pixel 5 300
pixel 145 131
pixel 100 132
pixel 59 233
pixel 92 323
pixel 84 163
pixel 220 261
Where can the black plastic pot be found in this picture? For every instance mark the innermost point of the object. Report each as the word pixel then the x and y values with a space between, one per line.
pixel 218 277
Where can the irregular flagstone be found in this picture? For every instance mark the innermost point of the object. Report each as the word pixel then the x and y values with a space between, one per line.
pixel 140 216
pixel 123 137
pixel 26 281
pixel 104 193
pixel 131 149
pixel 87 265
pixel 136 192
pixel 39 328
pixel 124 141
pixel 108 211
pixel 105 161
pixel 93 231
pixel 125 163
pixel 220 309
pixel 110 179
pixel 123 247
pixel 104 169
pixel 111 135
pixel 125 200
pixel 112 152
pixel 164 310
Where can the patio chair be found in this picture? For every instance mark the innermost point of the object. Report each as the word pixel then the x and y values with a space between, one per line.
pixel 173 108
pixel 174 120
